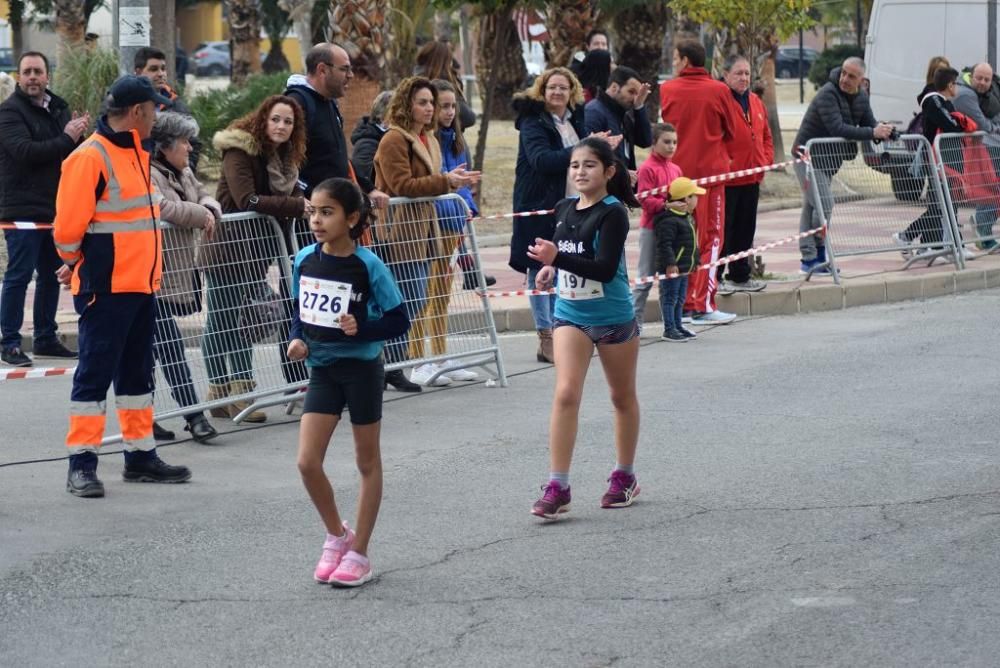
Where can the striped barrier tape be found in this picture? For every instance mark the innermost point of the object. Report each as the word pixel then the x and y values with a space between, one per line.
pixel 720 178
pixel 23 225
pixel 40 372
pixel 656 277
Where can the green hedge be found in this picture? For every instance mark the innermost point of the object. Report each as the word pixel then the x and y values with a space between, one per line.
pixel 833 57
pixel 216 109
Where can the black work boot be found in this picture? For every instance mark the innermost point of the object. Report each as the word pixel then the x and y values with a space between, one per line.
pixel 161 433
pixel 148 467
pixel 82 478
pixel 399 381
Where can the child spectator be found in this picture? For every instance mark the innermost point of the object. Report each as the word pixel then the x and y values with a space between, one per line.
pixel 658 171
pixel 676 255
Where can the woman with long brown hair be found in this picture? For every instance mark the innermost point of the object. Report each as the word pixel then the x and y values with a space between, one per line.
pixel 408 164
pixel 261 156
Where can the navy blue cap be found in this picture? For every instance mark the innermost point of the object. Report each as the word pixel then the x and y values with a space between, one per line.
pixel 131 89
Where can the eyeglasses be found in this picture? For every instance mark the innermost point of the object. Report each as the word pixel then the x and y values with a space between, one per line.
pixel 556 87
pixel 346 69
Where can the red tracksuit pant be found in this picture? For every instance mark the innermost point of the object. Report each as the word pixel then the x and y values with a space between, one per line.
pixel 710 223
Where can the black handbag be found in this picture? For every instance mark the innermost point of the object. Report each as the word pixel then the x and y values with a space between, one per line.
pixel 260 313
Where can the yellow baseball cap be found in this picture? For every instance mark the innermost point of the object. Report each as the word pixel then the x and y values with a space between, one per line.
pixel 682 187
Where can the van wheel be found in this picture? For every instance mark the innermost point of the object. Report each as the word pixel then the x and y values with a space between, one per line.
pixel 906 188
pixel 785 73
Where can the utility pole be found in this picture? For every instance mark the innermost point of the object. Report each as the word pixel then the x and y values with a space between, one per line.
pixel 131 28
pixel 991 33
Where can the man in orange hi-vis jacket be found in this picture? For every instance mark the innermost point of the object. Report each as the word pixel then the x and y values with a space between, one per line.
pixel 106 232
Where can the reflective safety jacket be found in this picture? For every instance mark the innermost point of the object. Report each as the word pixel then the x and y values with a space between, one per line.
pixel 106 215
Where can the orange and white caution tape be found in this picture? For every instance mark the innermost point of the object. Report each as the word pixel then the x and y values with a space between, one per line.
pixel 23 225
pixel 656 277
pixel 720 178
pixel 40 372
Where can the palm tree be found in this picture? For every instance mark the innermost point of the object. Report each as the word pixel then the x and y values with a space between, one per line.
pixel 499 60
pixel 71 22
pixel 276 24
pixel 244 38
pixel 568 22
pixel 639 30
pixel 300 13
pixel 361 27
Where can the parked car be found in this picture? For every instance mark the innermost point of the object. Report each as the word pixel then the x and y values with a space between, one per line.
pixel 212 59
pixel 786 62
pixel 7 60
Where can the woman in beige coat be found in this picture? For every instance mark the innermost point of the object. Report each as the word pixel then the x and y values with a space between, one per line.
pixel 189 212
pixel 408 164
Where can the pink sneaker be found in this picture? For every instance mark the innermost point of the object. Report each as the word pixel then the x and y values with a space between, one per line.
pixel 334 550
pixel 354 570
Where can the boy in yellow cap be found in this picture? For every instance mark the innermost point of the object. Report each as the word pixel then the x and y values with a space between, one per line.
pixel 676 255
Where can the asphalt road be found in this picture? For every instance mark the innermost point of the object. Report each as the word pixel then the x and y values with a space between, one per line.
pixel 816 490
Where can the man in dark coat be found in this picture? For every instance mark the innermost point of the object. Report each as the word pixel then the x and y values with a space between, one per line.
pixel 37 131
pixel 840 109
pixel 328 73
pixel 621 110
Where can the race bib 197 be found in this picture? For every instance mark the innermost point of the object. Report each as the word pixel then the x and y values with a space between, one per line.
pixel 322 302
pixel 572 286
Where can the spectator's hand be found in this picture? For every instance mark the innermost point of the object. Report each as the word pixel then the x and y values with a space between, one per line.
pixel 460 176
pixel 64 274
pixel 77 126
pixel 543 251
pixel 678 205
pixel 379 199
pixel 672 270
pixel 613 140
pixel 882 131
pixel 297 350
pixel 544 278
pixel 349 324
pixel 307 208
pixel 209 224
pixel 640 99
pixel 633 177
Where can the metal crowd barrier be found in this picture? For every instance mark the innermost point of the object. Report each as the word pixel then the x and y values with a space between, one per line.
pixel 225 306
pixel 223 314
pixel 969 165
pixel 420 241
pixel 883 198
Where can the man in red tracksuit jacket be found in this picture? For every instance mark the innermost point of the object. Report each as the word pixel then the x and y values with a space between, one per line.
pixel 751 146
pixel 702 110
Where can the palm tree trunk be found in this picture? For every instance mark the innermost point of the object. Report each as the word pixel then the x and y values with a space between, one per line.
pixel 16 20
pixel 244 38
pixel 569 21
pixel 638 44
pixel 361 27
pixel 300 13
pixel 71 24
pixel 499 63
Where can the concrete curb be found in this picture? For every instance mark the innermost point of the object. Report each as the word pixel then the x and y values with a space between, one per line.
pixel 779 299
pixel 812 297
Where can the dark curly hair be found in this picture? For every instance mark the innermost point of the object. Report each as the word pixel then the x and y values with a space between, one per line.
pixel 293 151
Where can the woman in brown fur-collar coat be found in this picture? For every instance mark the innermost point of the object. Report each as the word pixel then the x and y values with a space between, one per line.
pixel 408 164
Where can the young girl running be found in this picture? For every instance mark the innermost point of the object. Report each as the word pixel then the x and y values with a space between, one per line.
pixel 593 308
pixel 346 305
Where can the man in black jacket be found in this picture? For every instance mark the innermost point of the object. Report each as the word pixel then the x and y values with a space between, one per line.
pixel 37 131
pixel 328 73
pixel 621 110
pixel 840 109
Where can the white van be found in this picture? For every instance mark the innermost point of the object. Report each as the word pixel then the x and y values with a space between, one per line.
pixel 904 35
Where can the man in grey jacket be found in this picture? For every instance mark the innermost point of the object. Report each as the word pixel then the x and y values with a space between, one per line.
pixel 840 109
pixel 974 99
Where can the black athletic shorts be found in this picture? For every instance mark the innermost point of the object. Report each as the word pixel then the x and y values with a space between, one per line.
pixel 354 383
